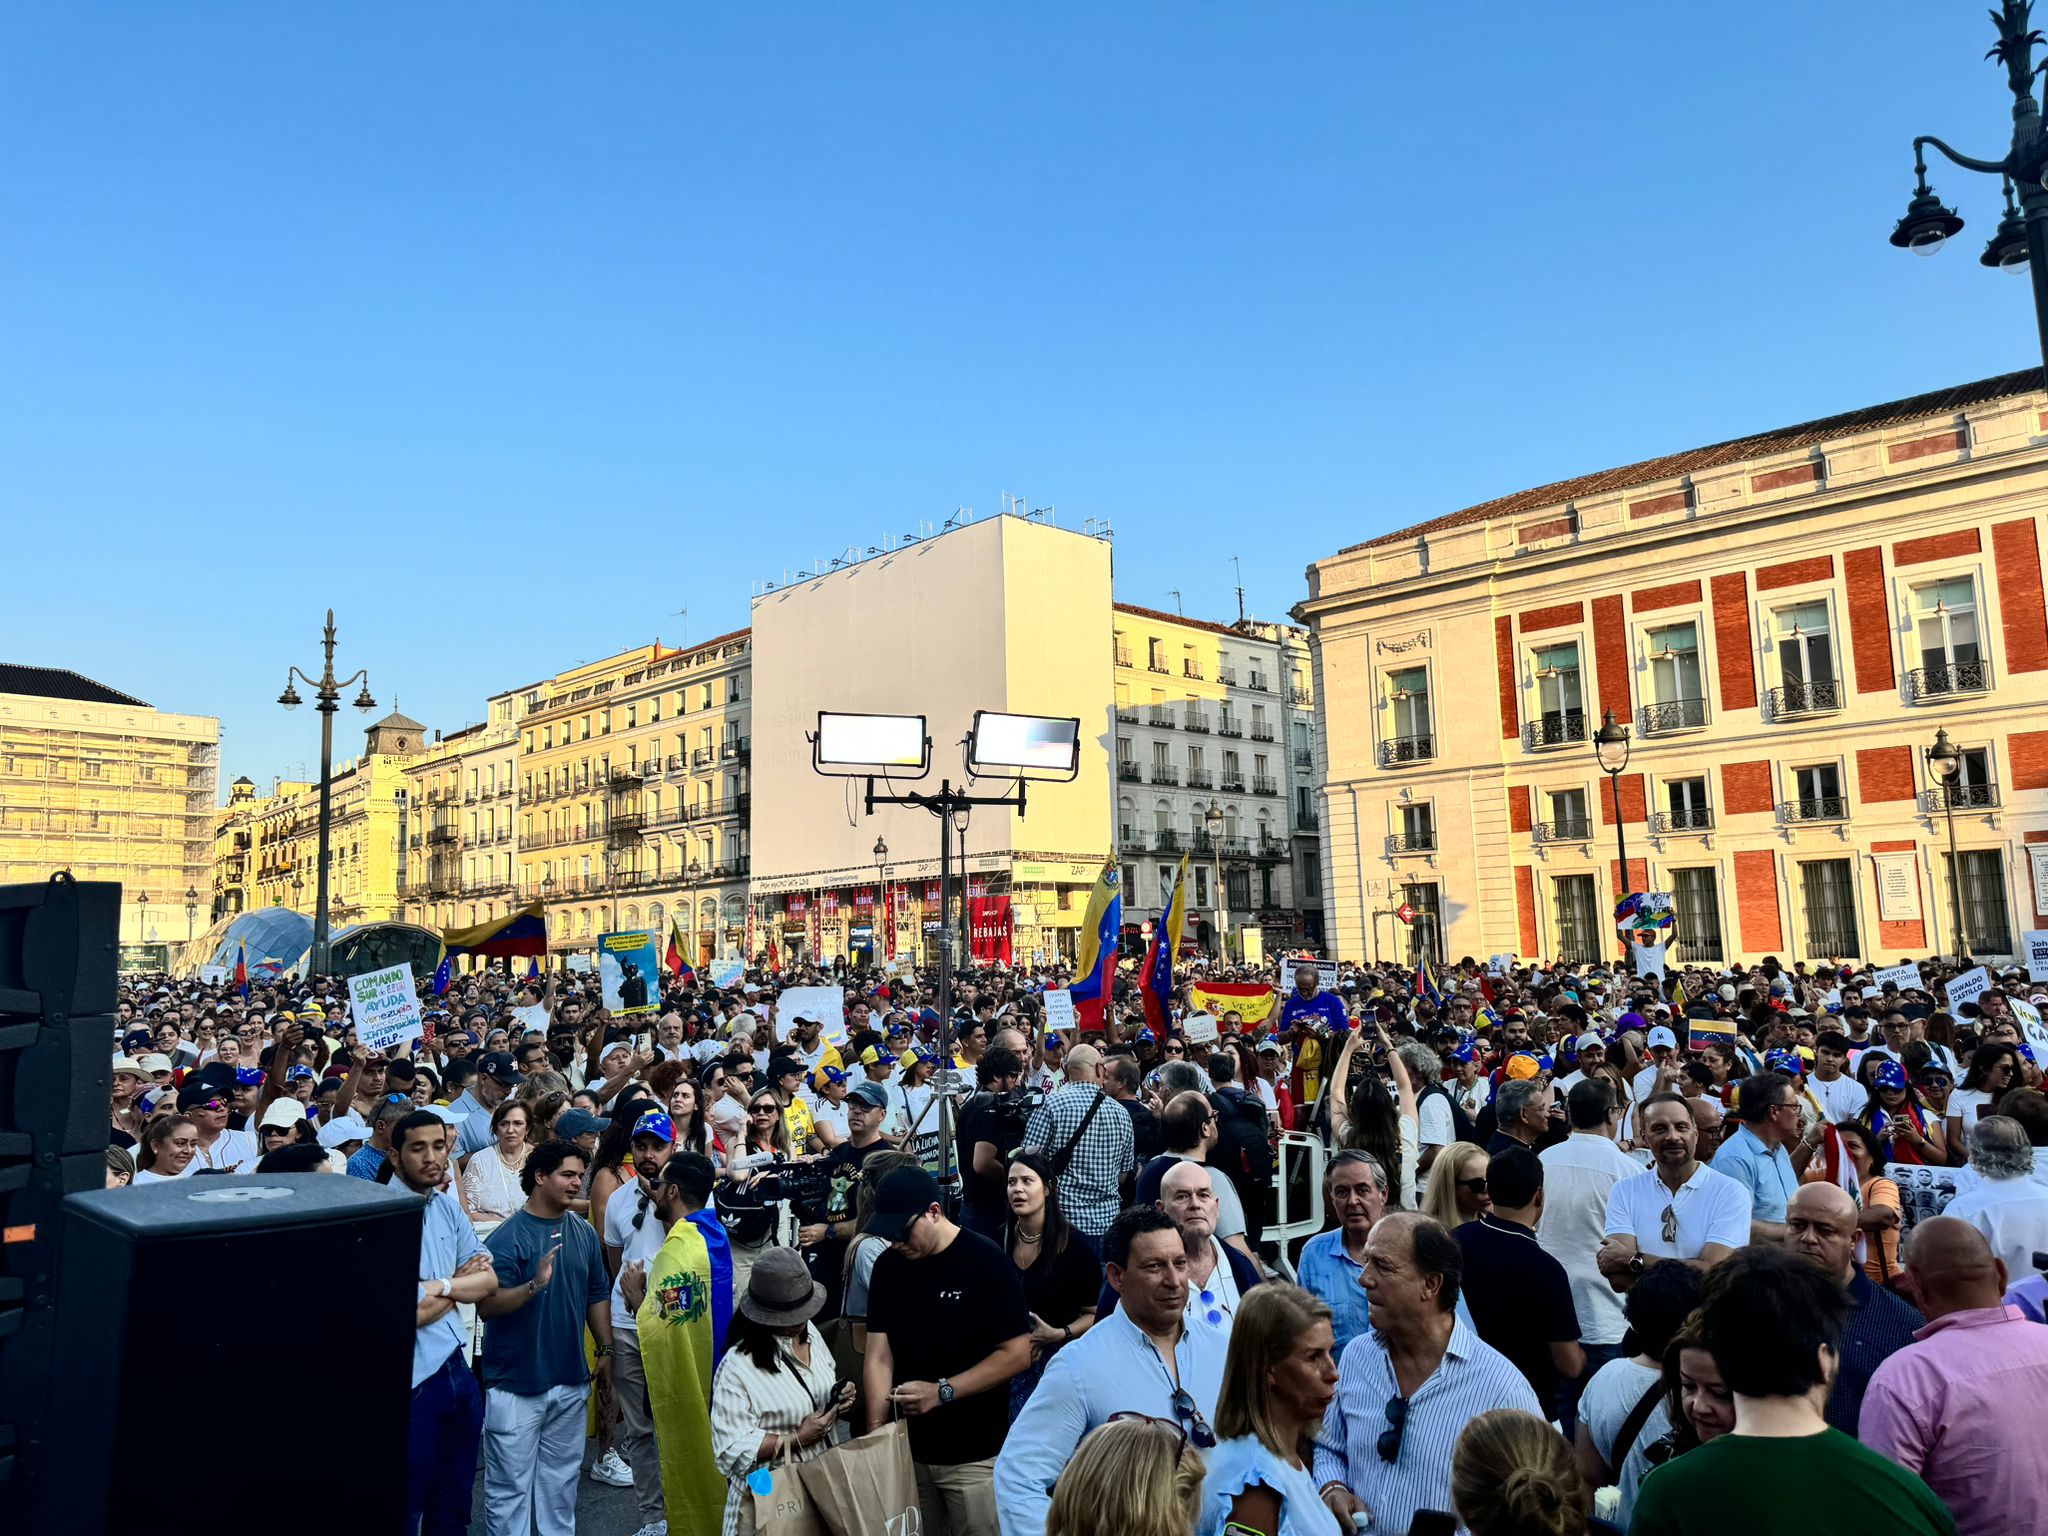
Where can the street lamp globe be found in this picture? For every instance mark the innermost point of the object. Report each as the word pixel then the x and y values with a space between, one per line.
pixel 1611 744
pixel 1927 224
pixel 363 700
pixel 1212 820
pixel 2007 249
pixel 290 697
pixel 881 851
pixel 1943 758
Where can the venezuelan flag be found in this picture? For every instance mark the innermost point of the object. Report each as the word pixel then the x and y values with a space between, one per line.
pixel 442 975
pixel 524 932
pixel 1155 977
pixel 1702 1033
pixel 1425 983
pixel 1095 964
pixel 242 970
pixel 678 966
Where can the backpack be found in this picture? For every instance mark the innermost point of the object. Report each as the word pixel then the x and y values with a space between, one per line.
pixel 1462 1128
pixel 1244 1154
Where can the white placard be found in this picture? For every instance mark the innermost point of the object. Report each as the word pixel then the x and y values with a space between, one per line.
pixel 1059 1010
pixel 726 973
pixel 1199 1029
pixel 2029 1018
pixel 2035 941
pixel 384 1006
pixel 1500 965
pixel 825 1004
pixel 2038 856
pixel 1649 959
pixel 1968 987
pixel 532 1016
pixel 214 975
pixel 1898 887
pixel 1904 977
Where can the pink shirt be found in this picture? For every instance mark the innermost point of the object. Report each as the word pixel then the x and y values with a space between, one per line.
pixel 1948 1407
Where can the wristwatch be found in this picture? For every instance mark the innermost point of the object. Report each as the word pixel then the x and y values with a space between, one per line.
pixel 1635 1264
pixel 945 1390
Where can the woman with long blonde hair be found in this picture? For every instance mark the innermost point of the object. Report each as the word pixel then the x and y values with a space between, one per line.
pixel 1134 1476
pixel 1278 1378
pixel 1456 1192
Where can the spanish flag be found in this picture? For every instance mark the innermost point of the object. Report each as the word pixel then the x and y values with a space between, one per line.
pixel 1095 963
pixel 524 932
pixel 1251 1001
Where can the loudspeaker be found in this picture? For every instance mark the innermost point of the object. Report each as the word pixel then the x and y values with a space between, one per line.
pixel 57 989
pixel 219 1337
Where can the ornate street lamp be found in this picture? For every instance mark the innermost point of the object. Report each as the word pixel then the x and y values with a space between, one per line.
pixel 1611 747
pixel 1944 762
pixel 327 693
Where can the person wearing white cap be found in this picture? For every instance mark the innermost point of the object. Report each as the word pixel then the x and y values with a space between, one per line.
pixel 130 1082
pixel 342 1138
pixel 1661 1055
pixel 1591 1051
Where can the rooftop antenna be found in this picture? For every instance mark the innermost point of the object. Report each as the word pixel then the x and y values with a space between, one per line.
pixel 1174 593
pixel 684 615
pixel 1240 587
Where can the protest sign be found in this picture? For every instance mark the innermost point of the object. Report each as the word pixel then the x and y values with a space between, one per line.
pixel 1200 1029
pixel 533 1016
pixel 1901 976
pixel 1059 1011
pixel 1500 965
pixel 384 1006
pixel 825 1004
pixel 726 973
pixel 2036 942
pixel 1968 987
pixel 629 972
pixel 2031 1027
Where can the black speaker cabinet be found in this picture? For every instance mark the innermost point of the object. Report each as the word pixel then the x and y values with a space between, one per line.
pixel 237 1327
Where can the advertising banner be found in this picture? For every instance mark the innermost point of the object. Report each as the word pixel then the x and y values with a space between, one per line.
pixel 988 929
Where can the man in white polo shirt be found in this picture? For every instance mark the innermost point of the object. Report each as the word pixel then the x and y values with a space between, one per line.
pixel 1680 1209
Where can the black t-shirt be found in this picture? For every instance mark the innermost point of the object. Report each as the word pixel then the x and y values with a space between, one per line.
pixel 1064 1286
pixel 1147 1135
pixel 1520 1298
pixel 842 1171
pixel 944 1315
pixel 981 1119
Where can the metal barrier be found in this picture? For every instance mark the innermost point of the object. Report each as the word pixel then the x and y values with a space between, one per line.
pixel 1298 1164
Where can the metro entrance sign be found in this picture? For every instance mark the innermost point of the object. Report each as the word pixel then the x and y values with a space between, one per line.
pixel 1406 913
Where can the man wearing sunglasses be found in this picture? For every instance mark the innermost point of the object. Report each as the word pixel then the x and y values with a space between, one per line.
pixel 1142 1358
pixel 1410 1383
pixel 222 1150
pixel 1679 1209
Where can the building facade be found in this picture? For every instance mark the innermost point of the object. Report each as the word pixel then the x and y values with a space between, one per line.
pixel 234 852
pixel 459 820
pixel 1782 622
pixel 1215 759
pixel 96 781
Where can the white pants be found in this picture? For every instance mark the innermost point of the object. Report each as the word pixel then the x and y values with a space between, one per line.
pixel 533 1453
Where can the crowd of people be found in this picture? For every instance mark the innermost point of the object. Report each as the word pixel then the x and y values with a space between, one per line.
pixel 1755 1244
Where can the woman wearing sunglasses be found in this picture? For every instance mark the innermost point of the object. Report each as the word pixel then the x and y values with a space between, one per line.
pixel 1993 1072
pixel 1456 1192
pixel 1278 1379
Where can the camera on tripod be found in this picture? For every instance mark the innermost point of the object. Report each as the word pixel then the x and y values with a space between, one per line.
pixel 1012 1111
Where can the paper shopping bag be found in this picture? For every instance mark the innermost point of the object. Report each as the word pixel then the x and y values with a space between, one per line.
pixel 782 1506
pixel 866 1487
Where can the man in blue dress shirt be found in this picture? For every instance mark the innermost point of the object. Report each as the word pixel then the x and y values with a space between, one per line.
pixel 1333 1262
pixel 1142 1358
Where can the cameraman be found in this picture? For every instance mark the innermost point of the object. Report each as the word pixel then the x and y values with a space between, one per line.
pixel 991 1128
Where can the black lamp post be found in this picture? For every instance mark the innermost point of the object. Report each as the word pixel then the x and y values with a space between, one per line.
pixel 881 851
pixel 1212 823
pixel 2021 241
pixel 191 911
pixel 1611 746
pixel 1945 762
pixel 327 694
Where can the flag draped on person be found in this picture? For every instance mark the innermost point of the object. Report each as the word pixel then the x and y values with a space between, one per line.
pixel 1155 977
pixel 1096 949
pixel 678 1346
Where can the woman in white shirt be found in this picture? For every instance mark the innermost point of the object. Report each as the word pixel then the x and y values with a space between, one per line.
pixel 1994 1069
pixel 169 1150
pixel 775 1395
pixel 489 1186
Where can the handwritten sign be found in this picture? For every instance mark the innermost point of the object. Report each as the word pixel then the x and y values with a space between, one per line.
pixel 384 1006
pixel 1200 1029
pixel 1968 987
pixel 1059 1011
pixel 825 1004
pixel 726 973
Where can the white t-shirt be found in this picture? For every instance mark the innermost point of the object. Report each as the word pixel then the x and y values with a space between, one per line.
pixel 833 1115
pixel 1579 1175
pixel 1610 1397
pixel 1711 1208
pixel 232 1151
pixel 729 1118
pixel 1843 1099
pixel 635 1246
pixel 1474 1098
pixel 1966 1104
pixel 1437 1128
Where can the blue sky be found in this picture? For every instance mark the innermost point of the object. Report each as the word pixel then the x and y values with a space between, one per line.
pixel 448 315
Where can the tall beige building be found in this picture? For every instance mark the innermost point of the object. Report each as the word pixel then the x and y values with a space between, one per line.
pixel 96 781
pixel 1783 623
pixel 459 820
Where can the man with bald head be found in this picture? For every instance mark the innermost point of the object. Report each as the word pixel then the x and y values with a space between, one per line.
pixel 1960 1405
pixel 1218 1275
pixel 1820 1224
pixel 1091 1144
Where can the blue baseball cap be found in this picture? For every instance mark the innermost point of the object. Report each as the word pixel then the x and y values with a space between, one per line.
pixel 298 1074
pixel 656 1124
pixel 1791 1063
pixel 248 1077
pixel 1890 1074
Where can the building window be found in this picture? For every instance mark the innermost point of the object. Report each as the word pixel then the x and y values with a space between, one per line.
pixel 1698 917
pixel 1131 878
pixel 1568 822
pixel 1418 827
pixel 1411 734
pixel 1971 789
pixel 1166 874
pixel 1425 934
pixel 1311 879
pixel 1945 633
pixel 1237 888
pixel 1155 655
pixel 1985 918
pixel 1819 794
pixel 1201 874
pixel 1578 919
pixel 1828 898
pixel 1676 685
pixel 1806 661
pixel 1685 806
pixel 1560 698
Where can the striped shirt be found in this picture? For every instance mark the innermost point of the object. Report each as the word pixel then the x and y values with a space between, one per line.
pixel 1471 1379
pixel 748 1403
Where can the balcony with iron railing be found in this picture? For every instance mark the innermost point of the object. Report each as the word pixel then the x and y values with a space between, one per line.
pixel 1191 669
pixel 1691 818
pixel 1233 783
pixel 1299 695
pixel 1122 654
pixel 1261 785
pixel 1162 718
pixel 1304 758
pixel 702 757
pixel 1262 733
pixel 738 750
pixel 1672 715
pixel 1564 829
pixel 1814 808
pixel 440 835
pixel 1960 797
pixel 1126 714
pixel 651 769
pixel 622 831
pixel 1232 847
pixel 1130 839
pixel 1407 749
pixel 1556 729
pixel 1924 685
pixel 623 778
pixel 1307 821
pixel 1201 778
pixel 1225 726
pixel 1156 666
pixel 1164 773
pixel 1166 840
pixel 1258 684
pixel 1794 701
pixel 1195 720
pixel 1270 847
pixel 1420 841
pixel 1227 676
pixel 1129 772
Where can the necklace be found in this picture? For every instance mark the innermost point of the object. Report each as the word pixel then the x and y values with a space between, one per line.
pixel 1030 1237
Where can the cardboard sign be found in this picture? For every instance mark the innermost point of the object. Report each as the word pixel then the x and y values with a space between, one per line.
pixel 1059 1011
pixel 384 1006
pixel 1200 1029
pixel 825 1004
pixel 1968 987
pixel 2035 941
pixel 2029 1018
pixel 726 973
pixel 1901 976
